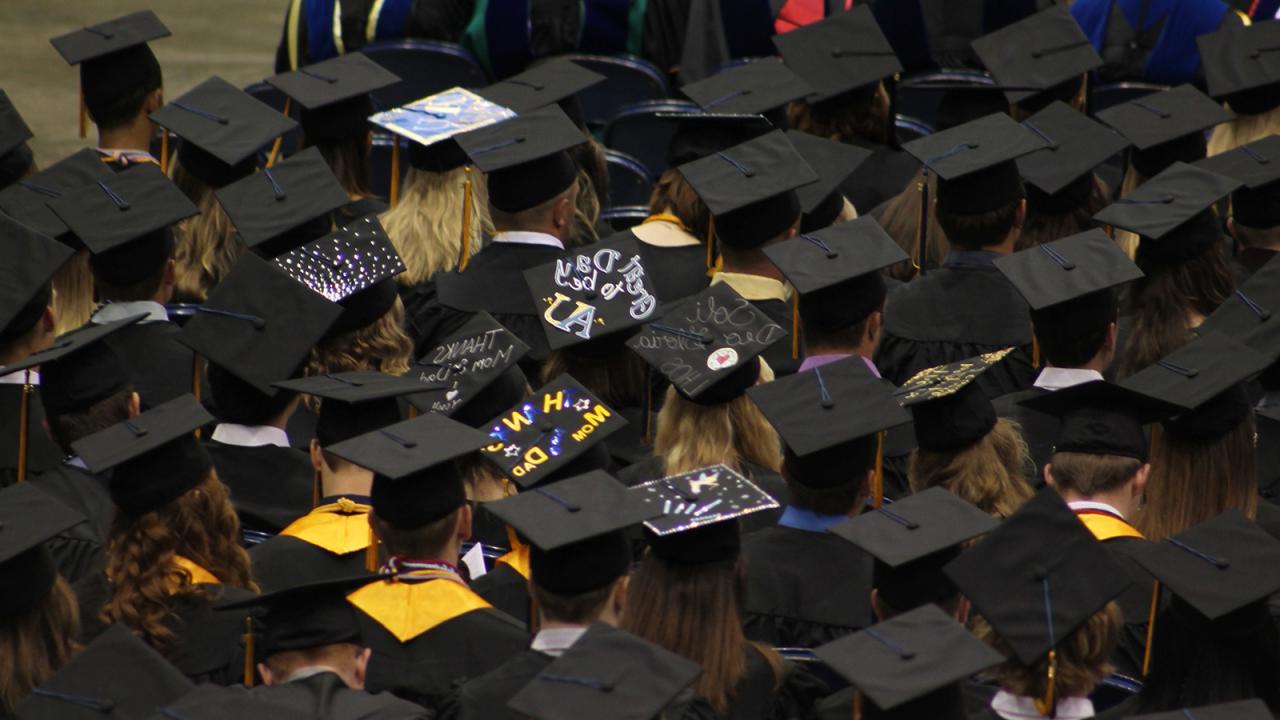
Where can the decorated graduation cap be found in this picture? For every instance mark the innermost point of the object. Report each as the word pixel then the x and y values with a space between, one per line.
pixel 1102 418
pixel 975 162
pixel 259 324
pixel 821 201
pixel 525 157
pixel 699 510
pixel 116 675
pixel 355 403
pixel 31 260
pixel 222 129
pixel 908 657
pixel 1256 204
pixel 1172 213
pixel 155 456
pixel 591 293
pixel 27 200
pixel 699 134
pixel 305 616
pixel 29 517
pixel 471 375
pixel 576 529
pixel 431 123
pixel 1242 67
pixel 354 266
pixel 950 412
pixel 1037 54
pixel 289 202
pixel 607 673
pixel 1166 127
pixel 558 80
pixel 1204 377
pixel 835 270
pixel 1060 177
pixel 750 188
pixel 755 87
pixel 15 155
pixel 839 54
pixel 708 345
pixel 78 369
pixel 1249 313
pixel 1253 709
pixel 537 439
pixel 125 221
pixel 335 95
pixel 1036 578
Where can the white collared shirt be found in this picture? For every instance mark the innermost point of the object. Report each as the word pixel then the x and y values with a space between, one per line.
pixel 113 311
pixel 522 237
pixel 20 378
pixel 1018 707
pixel 555 641
pixel 249 435
pixel 1093 505
pixel 1053 378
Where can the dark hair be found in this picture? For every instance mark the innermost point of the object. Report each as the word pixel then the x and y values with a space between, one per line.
pixel 1090 474
pixel 1044 225
pixel 423 542
pixel 70 427
pixel 580 609
pixel 236 401
pixel 849 461
pixel 606 367
pixel 349 161
pixel 861 113
pixel 973 232
pixel 845 337
pixel 1072 333
pixel 116 86
pixel 673 194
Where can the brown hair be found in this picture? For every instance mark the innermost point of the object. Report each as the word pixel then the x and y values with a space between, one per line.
pixel 619 378
pixel 580 609
pixel 990 473
pixel 381 345
pixel 673 194
pixel 1041 227
pixel 900 218
pixel 425 226
pixel 593 191
pixel 336 655
pixel 1082 659
pixel 73 293
pixel 691 436
pixel 1191 482
pixel 70 427
pixel 979 230
pixel 427 541
pixel 864 114
pixel 207 245
pixel 147 585
pixel 349 161
pixel 1090 474
pixel 34 644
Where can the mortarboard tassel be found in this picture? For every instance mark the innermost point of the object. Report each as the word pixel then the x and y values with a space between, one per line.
pixel 275 146
pixel 1035 353
pixel 395 170
pixel 371 553
pixel 24 421
pixel 164 151
pixel 1151 627
pixel 922 229
pixel 413 411
pixel 84 116
pixel 248 652
pixel 465 246
pixel 877 477
pixel 195 382
pixel 857 704
pixel 795 326
pixel 714 261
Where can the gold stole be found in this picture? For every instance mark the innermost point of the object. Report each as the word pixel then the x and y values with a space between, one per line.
pixel 1107 527
pixel 408 610
pixel 340 528
pixel 518 558
pixel 199 576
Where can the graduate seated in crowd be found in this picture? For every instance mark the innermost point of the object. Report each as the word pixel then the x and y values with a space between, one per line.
pixel 1232 77
pixel 1253 221
pixel 16 159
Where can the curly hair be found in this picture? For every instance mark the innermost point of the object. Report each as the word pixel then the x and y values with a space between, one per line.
pixel 1082 658
pixel 36 643
pixel 206 246
pixel 692 436
pixel 73 293
pixel 425 226
pixel 991 473
pixel 863 113
pixel 146 584
pixel 381 346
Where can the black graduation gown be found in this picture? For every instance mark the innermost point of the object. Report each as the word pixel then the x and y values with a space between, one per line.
pixel 778 355
pixel 158 365
pixel 676 272
pixel 881 176
pixel 78 551
pixel 324 544
pixel 1135 602
pixel 270 486
pixel 326 695
pixel 1248 262
pixel 628 446
pixel 761 694
pixel 485 697
pixel 653 468
pixel 1267 459
pixel 804 588
pixel 464 639
pixel 356 209
pixel 974 700
pixel 1268 518
pixel 42 454
pixel 954 313
pixel 507 589
pixel 1040 430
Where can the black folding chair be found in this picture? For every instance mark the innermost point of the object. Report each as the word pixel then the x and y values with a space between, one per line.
pixel 637 131
pixel 425 67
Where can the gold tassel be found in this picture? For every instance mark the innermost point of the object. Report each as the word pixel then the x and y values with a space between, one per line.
pixel 413 411
pixel 795 326
pixel 275 146
pixel 916 259
pixel 248 652
pixel 195 383
pixel 1046 704
pixel 877 477
pixel 857 704
pixel 84 116
pixel 164 151
pixel 465 249
pixel 395 170
pixel 24 422
pixel 714 261
pixel 1035 353
pixel 1151 628
pixel 371 553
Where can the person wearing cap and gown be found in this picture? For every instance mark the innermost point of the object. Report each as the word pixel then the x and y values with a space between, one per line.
pixel 804 586
pixel 1239 71
pixel 1254 222
pixel 16 160
pixel 27 323
pixel 966 308
pixel 121 83
pixel 933 34
pixel 1152 41
pixel 823 203
pixel 421 516
pixel 1074 316
pixel 579 563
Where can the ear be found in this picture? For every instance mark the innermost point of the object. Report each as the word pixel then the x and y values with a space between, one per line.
pixel 463 531
pixel 1048 476
pixel 874 322
pixel 362 667
pixel 1140 479
pixel 1020 217
pixel 791 232
pixel 1113 336
pixel 264 672
pixel 49 321
pixel 876 607
pixel 135 405
pixel 317 458
pixel 619 598
pixel 170 272
pixel 155 100
pixel 562 213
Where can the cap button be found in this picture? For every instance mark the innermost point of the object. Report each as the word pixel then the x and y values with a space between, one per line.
pixel 547 426
pixel 591 295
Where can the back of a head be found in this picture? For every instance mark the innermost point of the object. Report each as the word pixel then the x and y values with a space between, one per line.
pixel 238 402
pixel 988 473
pixel 135 270
pixel 25 320
pixel 1072 333
pixel 978 230
pixel 830 481
pixel 116 85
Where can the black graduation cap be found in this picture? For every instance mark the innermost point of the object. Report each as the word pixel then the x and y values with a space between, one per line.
pixel 1072 267
pixel 591 293
pixel 1102 418
pixel 1077 144
pixel 112 36
pixel 114 57
pixel 415 480
pixel 909 656
pixel 1218 566
pixel 1253 709
pixel 843 52
pixel 607 673
pixel 13 129
pixel 216 702
pixel 259 324
pixel 335 94
pixel 357 402
pixel 699 513
pixel 27 200
pixel 949 411
pixel 1241 66
pixel 292 193
pixel 1037 53
pixel 1171 209
pixel 1247 313
pixel 699 134
pixel 754 87
pixel 462 366
pixel 116 675
pixel 549 430
pixel 1038 576
pixel 31 259
pixel 975 162
pixel 525 157
pixel 1257 166
pixel 1204 377
pixel 707 344
pixel 541 85
pixel 225 127
pixel 78 369
pixel 29 517
pixel 302 617
pixel 1166 127
pixel 836 271
pixel 749 188
pixel 834 162
pixel 433 122
pixel 355 266
pixel 576 529
pixel 155 455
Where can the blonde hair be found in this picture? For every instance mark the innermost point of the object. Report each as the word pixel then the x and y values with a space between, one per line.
pixel 206 248
pixel 691 436
pixel 989 473
pixel 36 642
pixel 73 301
pixel 425 226
pixel 586 213
pixel 900 218
pixel 382 346
pixel 1243 130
